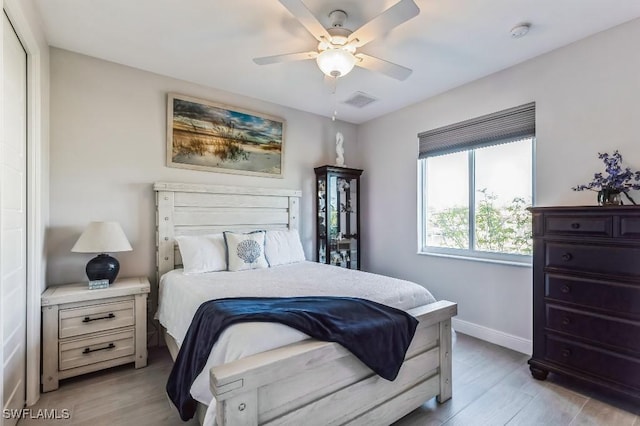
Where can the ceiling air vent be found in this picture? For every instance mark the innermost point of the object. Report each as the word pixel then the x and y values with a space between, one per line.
pixel 360 100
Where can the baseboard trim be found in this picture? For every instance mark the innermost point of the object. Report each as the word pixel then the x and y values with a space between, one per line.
pixel 493 336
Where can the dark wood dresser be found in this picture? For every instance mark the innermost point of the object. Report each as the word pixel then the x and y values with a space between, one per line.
pixel 586 296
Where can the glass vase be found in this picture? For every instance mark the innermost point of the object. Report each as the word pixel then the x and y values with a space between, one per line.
pixel 609 197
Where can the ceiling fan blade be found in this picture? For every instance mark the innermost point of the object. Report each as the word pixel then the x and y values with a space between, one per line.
pixel 306 18
pixel 385 67
pixel 289 57
pixel 385 22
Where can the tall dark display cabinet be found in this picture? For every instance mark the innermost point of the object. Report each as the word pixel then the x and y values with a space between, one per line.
pixel 338 216
pixel 586 296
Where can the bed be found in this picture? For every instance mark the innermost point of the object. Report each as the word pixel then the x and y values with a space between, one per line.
pixel 302 380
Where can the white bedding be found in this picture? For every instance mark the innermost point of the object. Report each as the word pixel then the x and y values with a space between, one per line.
pixel 181 295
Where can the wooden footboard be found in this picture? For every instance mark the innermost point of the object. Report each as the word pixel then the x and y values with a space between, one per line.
pixel 313 382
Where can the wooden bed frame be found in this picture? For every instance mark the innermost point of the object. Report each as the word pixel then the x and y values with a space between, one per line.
pixel 308 382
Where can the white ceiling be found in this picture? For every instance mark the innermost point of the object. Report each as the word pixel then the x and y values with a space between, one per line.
pixel 212 42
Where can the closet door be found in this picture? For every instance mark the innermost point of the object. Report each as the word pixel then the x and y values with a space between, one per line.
pixel 13 271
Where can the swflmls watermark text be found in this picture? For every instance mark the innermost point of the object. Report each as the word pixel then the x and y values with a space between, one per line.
pixel 39 414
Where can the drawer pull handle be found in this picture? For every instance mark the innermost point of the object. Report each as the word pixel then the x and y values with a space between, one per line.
pixel 567 257
pixel 566 353
pixel 575 225
pixel 566 321
pixel 565 289
pixel 87 351
pixel 88 319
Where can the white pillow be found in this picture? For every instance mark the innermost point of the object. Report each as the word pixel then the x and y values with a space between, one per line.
pixel 203 253
pixel 245 251
pixel 282 247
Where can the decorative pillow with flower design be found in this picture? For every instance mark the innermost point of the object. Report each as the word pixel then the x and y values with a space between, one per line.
pixel 245 251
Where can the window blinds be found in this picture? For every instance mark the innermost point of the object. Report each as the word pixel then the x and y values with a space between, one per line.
pixel 500 127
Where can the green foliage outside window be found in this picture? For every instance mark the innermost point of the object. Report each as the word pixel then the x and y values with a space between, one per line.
pixel 498 228
pixel 450 227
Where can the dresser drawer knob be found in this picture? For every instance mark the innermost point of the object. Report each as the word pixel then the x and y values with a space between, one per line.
pixel 567 257
pixel 566 353
pixel 566 321
pixel 565 289
pixel 89 319
pixel 575 225
pixel 87 351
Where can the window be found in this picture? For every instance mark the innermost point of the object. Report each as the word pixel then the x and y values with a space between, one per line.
pixel 474 189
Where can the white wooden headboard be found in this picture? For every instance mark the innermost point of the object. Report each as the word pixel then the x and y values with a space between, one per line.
pixel 192 209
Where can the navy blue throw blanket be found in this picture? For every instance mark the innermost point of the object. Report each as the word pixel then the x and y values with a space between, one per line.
pixel 377 334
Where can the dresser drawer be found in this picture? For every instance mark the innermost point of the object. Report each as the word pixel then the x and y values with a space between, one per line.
pixel 601 226
pixel 630 227
pixel 102 347
pixel 94 318
pixel 604 295
pixel 600 329
pixel 609 260
pixel 597 362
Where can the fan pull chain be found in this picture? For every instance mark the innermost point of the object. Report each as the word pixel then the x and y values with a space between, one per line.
pixel 334 97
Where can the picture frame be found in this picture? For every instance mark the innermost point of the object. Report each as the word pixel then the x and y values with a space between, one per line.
pixel 208 136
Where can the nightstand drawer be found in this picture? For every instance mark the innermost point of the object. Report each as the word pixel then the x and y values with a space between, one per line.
pixel 103 347
pixel 93 318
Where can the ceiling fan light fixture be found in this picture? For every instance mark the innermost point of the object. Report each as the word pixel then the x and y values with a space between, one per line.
pixel 338 45
pixel 336 62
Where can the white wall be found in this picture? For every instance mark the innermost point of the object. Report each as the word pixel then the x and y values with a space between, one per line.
pixel 108 144
pixel 586 98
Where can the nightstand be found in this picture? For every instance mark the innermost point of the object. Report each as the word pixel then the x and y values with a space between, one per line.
pixel 88 330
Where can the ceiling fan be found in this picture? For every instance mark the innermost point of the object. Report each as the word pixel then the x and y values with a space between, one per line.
pixel 337 51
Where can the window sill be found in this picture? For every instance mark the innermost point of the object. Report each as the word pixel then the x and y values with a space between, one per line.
pixel 523 264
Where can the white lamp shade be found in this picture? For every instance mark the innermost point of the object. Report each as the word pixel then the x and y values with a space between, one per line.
pixel 102 237
pixel 336 62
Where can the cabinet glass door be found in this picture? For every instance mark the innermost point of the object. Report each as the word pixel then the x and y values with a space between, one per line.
pixel 322 219
pixel 343 237
pixel 337 227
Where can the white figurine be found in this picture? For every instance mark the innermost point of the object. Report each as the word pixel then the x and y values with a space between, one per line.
pixel 339 149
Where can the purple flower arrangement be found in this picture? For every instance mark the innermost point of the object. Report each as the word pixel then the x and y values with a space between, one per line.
pixel 617 179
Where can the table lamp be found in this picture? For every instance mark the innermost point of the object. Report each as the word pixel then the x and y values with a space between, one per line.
pixel 102 237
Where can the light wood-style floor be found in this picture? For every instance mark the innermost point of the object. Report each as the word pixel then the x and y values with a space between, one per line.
pixel 491 386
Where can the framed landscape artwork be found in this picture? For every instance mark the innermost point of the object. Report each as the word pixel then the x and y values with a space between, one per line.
pixel 203 135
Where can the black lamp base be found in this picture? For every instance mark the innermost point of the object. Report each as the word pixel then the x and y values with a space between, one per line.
pixel 103 267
